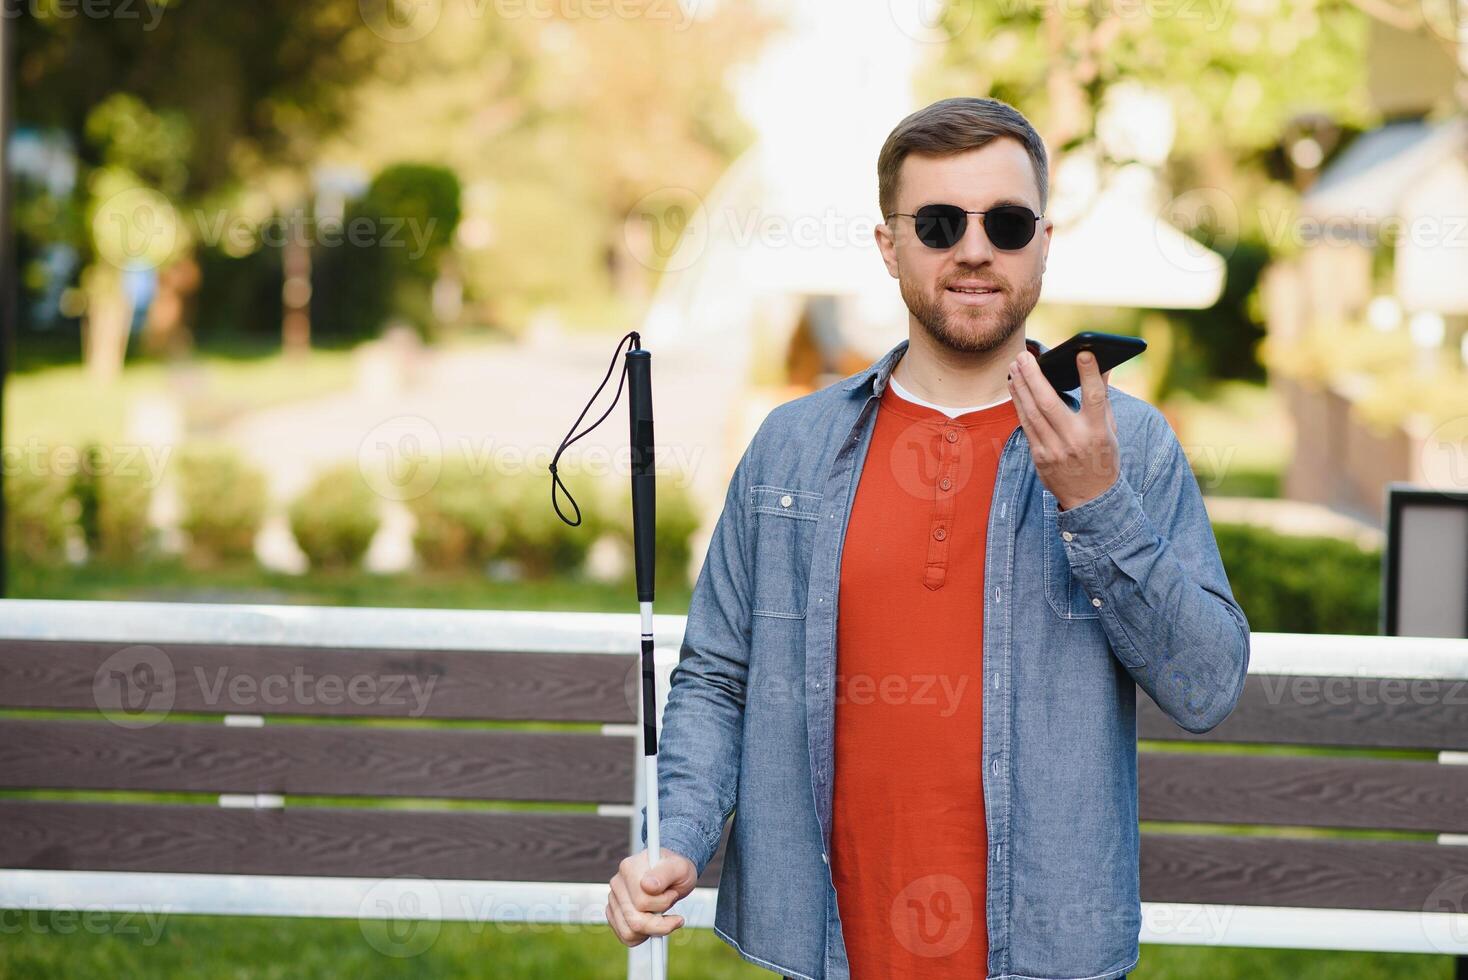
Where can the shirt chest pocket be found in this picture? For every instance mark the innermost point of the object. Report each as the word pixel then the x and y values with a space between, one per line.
pixel 784 540
pixel 1065 593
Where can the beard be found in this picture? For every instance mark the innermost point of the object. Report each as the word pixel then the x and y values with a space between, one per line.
pixel 971 330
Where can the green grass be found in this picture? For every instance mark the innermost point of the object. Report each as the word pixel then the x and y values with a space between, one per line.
pixel 169 580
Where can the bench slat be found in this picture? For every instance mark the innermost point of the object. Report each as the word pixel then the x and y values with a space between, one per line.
pixel 379 683
pixel 1404 876
pixel 335 841
pixel 1303 791
pixel 347 760
pixel 1359 712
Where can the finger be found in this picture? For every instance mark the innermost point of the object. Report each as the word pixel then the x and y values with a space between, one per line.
pixel 1055 410
pixel 646 923
pixel 660 902
pixel 619 926
pixel 1094 399
pixel 1037 426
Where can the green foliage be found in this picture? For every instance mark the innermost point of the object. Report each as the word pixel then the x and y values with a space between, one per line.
pixel 113 507
pixel 424 198
pixel 454 519
pixel 354 280
pixel 223 503
pixel 678 519
pixel 39 511
pixel 535 537
pixel 1293 584
pixel 335 518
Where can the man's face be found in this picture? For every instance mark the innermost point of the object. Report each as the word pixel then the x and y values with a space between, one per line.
pixel 999 172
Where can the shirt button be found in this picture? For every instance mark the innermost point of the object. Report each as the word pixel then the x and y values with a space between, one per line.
pixel 786 500
pixel 1066 535
pixel 945 483
pixel 940 534
pixel 824 858
pixel 951 436
pixel 1095 602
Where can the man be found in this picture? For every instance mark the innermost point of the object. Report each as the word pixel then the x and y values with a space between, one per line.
pixel 913 651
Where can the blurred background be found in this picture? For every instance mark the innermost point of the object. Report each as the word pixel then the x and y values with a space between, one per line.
pixel 302 299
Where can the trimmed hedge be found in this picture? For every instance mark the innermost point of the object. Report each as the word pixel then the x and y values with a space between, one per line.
pixel 1292 584
pixel 335 519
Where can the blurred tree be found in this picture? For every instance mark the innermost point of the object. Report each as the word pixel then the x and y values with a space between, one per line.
pixel 558 125
pixel 1235 75
pixel 172 106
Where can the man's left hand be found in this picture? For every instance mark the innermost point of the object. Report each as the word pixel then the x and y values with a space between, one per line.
pixel 1075 453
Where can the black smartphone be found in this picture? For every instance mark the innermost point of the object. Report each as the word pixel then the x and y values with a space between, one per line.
pixel 1058 364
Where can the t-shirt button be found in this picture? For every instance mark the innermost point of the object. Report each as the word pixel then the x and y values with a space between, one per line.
pixel 945 483
pixel 951 436
pixel 940 534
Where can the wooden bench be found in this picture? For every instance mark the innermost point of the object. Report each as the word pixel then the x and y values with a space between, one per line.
pixel 260 706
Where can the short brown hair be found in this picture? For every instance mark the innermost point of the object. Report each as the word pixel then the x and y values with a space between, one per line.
pixel 952 126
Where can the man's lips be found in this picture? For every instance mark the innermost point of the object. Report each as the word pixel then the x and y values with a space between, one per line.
pixel 973 295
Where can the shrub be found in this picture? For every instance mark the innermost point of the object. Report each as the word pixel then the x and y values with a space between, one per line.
pixel 223 503
pixel 533 535
pixel 335 518
pixel 112 507
pixel 678 520
pixel 39 512
pixel 1292 584
pixel 454 519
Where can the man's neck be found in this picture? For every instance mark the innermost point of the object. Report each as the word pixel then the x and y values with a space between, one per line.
pixel 944 377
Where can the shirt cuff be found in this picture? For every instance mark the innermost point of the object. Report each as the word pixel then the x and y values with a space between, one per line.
pixel 682 837
pixel 1093 528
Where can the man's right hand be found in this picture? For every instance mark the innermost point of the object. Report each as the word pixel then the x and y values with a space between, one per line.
pixel 640 894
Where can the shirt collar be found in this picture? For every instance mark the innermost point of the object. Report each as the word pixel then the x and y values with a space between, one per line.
pixel 881 369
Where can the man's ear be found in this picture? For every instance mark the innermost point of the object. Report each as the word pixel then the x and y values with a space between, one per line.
pixel 888 248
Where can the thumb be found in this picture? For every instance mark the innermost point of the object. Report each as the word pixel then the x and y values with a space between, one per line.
pixel 652 884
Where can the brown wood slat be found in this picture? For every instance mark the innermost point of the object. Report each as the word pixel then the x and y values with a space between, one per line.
pixel 1332 874
pixel 326 759
pixel 491 686
pixel 343 841
pixel 1332 711
pixel 1376 794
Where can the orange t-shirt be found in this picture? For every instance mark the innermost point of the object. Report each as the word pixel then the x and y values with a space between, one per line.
pixel 908 838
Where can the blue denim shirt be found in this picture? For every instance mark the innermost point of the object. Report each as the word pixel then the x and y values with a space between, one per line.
pixel 1082 608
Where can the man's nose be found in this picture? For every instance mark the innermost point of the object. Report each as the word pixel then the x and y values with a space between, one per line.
pixel 973 248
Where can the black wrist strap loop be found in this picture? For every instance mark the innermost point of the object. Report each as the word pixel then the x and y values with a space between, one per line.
pixel 555 477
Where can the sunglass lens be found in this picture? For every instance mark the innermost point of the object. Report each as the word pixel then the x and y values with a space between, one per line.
pixel 940 225
pixel 1009 227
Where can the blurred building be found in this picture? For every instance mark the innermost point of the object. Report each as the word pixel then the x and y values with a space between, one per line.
pixel 1381 275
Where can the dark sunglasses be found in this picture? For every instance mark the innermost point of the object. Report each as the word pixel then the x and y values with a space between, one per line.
pixel 1009 226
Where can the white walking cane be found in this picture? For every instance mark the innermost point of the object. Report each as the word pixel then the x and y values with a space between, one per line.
pixel 637 368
